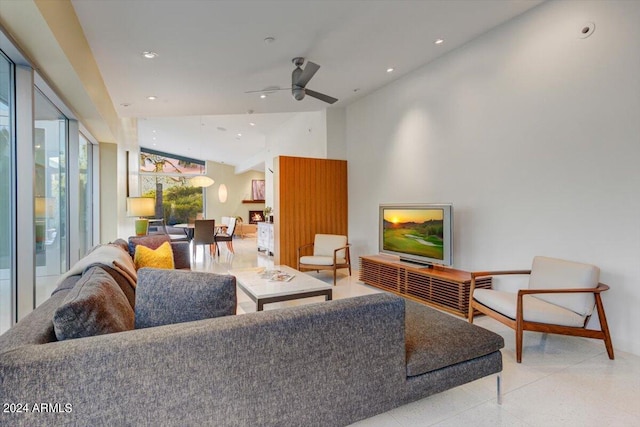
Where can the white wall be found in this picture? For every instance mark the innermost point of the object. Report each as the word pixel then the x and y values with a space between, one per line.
pixel 533 134
pixel 305 135
pixel 336 121
pixel 112 211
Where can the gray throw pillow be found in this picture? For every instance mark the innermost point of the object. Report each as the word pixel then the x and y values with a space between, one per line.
pixel 173 296
pixel 96 305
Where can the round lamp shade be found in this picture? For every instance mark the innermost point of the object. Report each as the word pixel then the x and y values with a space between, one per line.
pixel 222 193
pixel 201 181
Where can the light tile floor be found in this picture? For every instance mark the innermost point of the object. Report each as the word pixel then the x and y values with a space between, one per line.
pixel 562 381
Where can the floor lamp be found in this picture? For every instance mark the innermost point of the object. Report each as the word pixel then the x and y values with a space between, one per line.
pixel 141 207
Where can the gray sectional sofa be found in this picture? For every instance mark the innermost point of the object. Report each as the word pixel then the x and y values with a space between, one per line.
pixel 323 364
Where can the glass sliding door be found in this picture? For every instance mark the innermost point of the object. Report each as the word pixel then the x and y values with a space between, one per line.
pixel 50 191
pixel 7 273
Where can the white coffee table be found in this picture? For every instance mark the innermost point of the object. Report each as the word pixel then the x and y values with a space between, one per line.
pixel 263 291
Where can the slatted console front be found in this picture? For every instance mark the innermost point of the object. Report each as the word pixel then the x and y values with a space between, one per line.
pixel 441 287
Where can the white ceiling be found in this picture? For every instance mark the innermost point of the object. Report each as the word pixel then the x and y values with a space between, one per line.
pixel 211 52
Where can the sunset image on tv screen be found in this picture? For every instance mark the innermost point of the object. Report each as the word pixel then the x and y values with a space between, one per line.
pixel 414 231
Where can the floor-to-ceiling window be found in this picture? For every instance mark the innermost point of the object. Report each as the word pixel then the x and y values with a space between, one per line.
pixel 50 192
pixel 6 198
pixel 167 178
pixel 39 140
pixel 85 163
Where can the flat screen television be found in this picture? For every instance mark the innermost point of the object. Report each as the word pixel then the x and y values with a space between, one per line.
pixel 420 233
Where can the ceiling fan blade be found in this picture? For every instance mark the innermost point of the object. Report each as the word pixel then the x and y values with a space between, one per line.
pixel 306 74
pixel 321 96
pixel 268 90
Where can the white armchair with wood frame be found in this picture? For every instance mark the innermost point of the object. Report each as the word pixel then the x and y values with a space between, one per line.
pixel 560 299
pixel 330 252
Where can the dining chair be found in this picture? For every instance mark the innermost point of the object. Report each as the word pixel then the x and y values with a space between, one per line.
pixel 227 236
pixel 204 234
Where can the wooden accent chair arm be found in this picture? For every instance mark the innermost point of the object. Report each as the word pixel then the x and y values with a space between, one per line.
pixel 497 273
pixel 600 288
pixel 472 286
pixel 304 246
pixel 475 274
pixel 346 253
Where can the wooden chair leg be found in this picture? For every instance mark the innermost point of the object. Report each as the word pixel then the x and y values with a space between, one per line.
pixel 335 270
pixel 519 346
pixel 519 326
pixel 519 333
pixel 472 288
pixel 604 326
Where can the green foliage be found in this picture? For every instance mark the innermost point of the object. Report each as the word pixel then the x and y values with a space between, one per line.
pixel 181 203
pixel 411 240
pixel 431 228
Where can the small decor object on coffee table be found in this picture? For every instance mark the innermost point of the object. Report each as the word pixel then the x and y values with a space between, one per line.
pixel 276 275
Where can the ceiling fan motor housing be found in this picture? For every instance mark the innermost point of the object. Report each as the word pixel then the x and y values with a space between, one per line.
pixel 298 92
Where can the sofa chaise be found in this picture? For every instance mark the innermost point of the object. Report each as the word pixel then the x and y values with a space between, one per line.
pixel 324 364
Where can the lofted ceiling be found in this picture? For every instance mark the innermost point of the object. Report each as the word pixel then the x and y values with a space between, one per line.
pixel 210 53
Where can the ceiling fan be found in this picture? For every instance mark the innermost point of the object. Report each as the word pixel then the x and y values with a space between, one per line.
pixel 299 79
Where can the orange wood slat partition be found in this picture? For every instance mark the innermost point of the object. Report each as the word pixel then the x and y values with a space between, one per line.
pixel 310 197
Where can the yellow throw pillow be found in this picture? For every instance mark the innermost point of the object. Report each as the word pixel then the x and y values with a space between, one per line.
pixel 154 258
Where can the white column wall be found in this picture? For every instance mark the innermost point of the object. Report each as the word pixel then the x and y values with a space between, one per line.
pixel 25 227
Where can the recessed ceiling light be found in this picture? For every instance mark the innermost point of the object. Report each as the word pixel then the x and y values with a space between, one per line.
pixel 269 40
pixel 152 98
pixel 251 124
pixel 263 96
pixel 439 41
pixel 221 129
pixel 125 104
pixel 389 70
pixel 239 134
pixel 149 55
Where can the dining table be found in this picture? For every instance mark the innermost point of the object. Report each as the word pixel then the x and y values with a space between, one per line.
pixel 189 227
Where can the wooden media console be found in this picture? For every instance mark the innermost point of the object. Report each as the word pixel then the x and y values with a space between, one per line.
pixel 441 287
